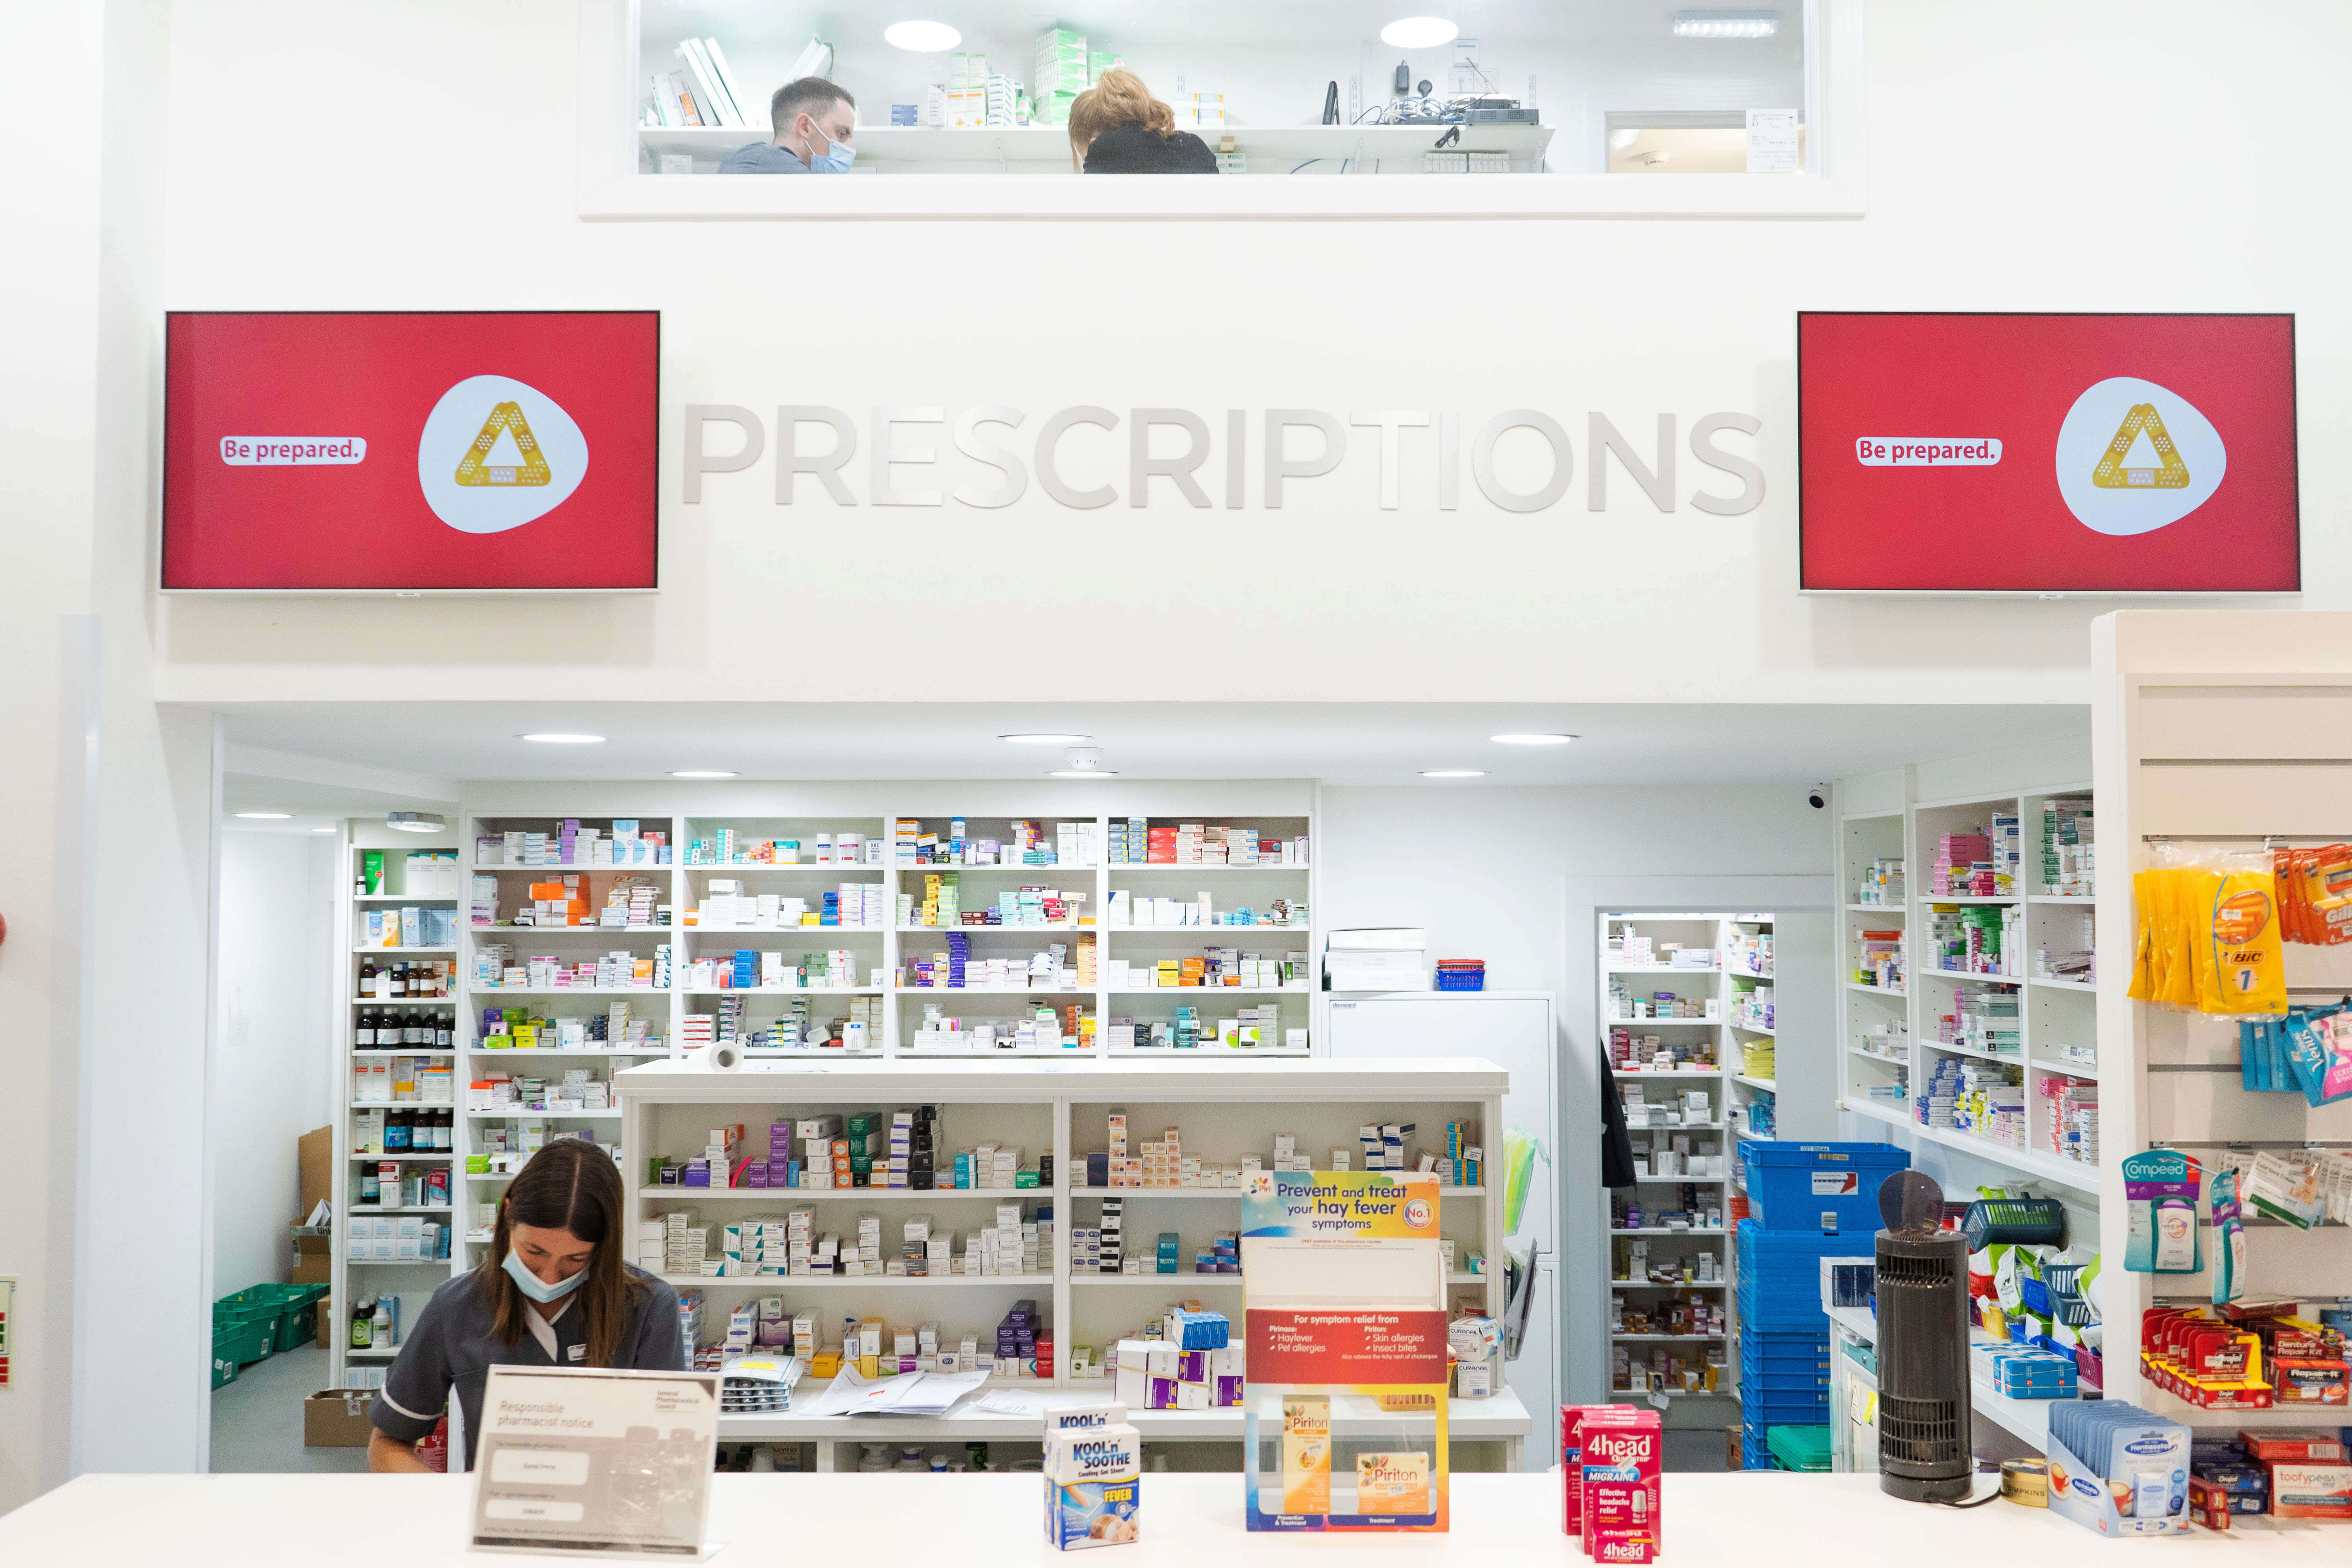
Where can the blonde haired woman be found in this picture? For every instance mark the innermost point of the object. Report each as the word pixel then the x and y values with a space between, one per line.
pixel 1117 127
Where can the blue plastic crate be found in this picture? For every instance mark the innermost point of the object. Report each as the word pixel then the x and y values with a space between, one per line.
pixel 1805 1385
pixel 1763 1348
pixel 1826 1187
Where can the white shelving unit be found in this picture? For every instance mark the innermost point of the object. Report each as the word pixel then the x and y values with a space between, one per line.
pixel 1223 1111
pixel 1893 1036
pixel 2211 727
pixel 884 958
pixel 352 1279
pixel 680 886
pixel 1726 992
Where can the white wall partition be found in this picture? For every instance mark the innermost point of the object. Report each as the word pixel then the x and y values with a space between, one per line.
pixel 2215 727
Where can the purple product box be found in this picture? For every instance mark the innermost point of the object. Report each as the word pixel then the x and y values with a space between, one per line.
pixel 1192 1367
pixel 755 1173
pixel 1229 1391
pixel 1163 1393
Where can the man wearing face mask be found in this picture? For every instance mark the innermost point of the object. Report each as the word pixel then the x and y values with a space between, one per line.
pixel 552 1289
pixel 814 120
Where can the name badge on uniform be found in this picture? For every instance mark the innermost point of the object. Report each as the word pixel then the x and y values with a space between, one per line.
pixel 575 1352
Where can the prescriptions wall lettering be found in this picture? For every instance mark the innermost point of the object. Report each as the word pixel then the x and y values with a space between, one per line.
pixel 1089 456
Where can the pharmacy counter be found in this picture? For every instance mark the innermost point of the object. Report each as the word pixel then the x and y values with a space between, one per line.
pixel 978 1521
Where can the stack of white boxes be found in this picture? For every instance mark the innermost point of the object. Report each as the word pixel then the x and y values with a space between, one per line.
pixel 1287 1156
pixel 866 1258
pixel 1384 1144
pixel 1154 1374
pixel 672 1244
pixel 800 1242
pixel 964 106
pixel 1200 112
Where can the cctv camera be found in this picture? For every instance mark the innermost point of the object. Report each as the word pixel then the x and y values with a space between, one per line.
pixel 1818 797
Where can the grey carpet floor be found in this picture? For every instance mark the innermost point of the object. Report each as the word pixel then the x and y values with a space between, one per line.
pixel 258 1419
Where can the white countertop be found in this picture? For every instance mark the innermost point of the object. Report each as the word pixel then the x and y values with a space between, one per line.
pixel 980 1521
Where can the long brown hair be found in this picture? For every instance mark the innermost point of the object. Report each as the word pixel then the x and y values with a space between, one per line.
pixel 1117 96
pixel 573 1187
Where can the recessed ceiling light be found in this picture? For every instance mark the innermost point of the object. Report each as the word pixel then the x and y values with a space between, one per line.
pixel 1453 773
pixel 1046 739
pixel 922 37
pixel 1082 773
pixel 1726 24
pixel 414 821
pixel 323 830
pixel 553 738
pixel 1419 33
pixel 1532 740
pixel 265 816
pixel 700 773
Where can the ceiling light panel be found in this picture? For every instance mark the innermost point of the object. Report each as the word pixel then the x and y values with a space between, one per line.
pixel 558 738
pixel 1531 739
pixel 1726 24
pixel 1419 33
pixel 921 37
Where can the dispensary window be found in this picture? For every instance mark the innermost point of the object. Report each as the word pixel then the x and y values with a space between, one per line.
pixel 1257 89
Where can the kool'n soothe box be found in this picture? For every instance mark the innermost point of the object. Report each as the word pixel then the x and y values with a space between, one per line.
pixel 1094 1478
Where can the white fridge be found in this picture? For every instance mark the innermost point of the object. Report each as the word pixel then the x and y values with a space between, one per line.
pixel 1513 1029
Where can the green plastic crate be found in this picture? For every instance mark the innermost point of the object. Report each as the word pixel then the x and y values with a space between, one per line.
pixel 225 1349
pixel 1799 1448
pixel 251 1330
pixel 292 1311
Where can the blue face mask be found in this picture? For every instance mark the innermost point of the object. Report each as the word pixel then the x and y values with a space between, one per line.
pixel 834 160
pixel 539 1289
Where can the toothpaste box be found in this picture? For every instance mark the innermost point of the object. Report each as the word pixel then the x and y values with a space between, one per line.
pixel 2312 1445
pixel 2311 1491
pixel 1094 1474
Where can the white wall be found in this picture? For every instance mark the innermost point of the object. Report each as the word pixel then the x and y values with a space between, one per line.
pixel 1994 136
pixel 106 883
pixel 1513 877
pixel 275 964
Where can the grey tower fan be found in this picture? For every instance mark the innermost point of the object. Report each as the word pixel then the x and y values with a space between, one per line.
pixel 1925 1442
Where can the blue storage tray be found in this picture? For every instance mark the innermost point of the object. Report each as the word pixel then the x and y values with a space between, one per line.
pixel 1820 1188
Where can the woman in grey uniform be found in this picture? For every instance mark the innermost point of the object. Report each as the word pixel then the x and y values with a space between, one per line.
pixel 553 1290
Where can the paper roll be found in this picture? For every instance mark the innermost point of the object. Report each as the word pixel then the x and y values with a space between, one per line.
pixel 726 1057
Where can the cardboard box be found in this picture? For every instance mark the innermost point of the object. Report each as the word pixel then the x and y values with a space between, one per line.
pixel 315 1150
pixel 337 1418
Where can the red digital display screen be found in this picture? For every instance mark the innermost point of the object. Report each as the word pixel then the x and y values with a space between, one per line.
pixel 2081 454
pixel 364 450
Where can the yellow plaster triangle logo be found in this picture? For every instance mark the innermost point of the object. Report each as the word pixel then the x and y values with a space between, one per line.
pixel 507 417
pixel 2111 474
